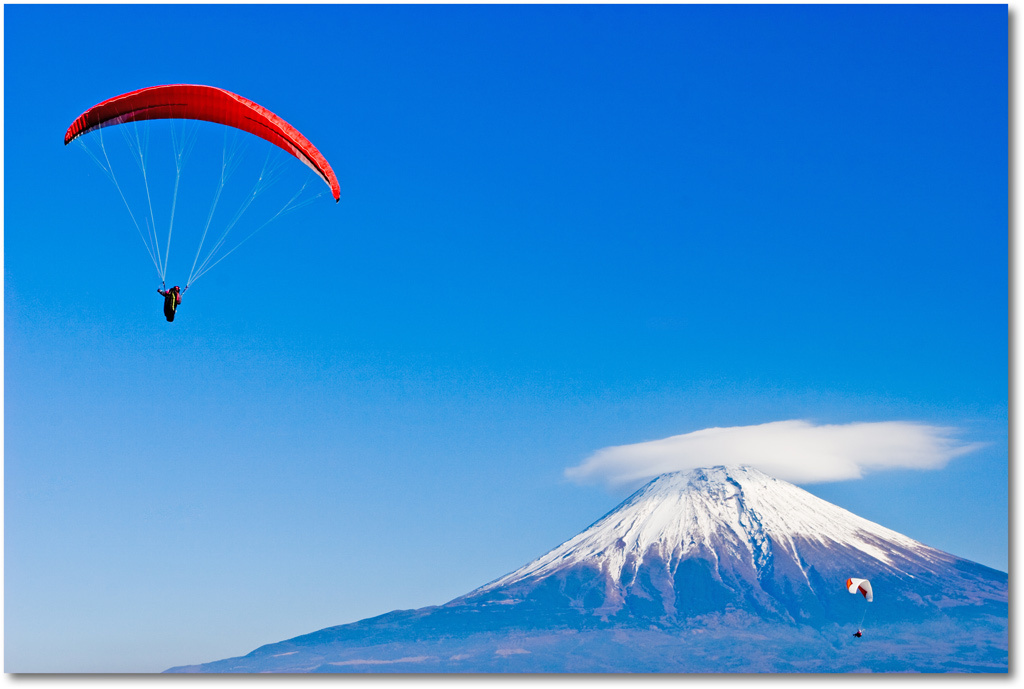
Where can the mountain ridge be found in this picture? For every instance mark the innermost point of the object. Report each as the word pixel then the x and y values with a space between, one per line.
pixel 696 564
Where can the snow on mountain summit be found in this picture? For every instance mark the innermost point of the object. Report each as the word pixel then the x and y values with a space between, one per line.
pixel 696 513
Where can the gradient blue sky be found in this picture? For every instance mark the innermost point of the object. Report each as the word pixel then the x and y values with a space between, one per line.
pixel 561 229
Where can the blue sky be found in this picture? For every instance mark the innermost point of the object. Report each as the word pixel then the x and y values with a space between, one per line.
pixel 561 229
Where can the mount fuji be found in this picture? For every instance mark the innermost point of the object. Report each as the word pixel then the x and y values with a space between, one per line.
pixel 724 569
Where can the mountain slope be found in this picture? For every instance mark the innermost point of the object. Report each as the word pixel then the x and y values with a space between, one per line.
pixel 722 569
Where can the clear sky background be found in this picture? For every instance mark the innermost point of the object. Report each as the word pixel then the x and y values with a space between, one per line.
pixel 561 229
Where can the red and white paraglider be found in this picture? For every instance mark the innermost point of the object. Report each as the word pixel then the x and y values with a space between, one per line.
pixel 863 587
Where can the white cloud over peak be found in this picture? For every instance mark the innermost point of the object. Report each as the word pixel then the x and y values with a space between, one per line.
pixel 796 451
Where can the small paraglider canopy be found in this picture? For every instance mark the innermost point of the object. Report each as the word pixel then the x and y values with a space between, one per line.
pixel 861 586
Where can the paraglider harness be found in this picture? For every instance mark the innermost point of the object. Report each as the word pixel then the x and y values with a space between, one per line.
pixel 172 298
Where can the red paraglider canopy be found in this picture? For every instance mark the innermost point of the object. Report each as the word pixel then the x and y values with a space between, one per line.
pixel 208 103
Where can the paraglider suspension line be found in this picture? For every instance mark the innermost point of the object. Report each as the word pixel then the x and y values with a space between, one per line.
pixel 109 169
pixel 288 207
pixel 182 147
pixel 138 147
pixel 268 175
pixel 228 165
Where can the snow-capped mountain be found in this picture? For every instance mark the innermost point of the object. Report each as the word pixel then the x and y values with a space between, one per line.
pixel 741 537
pixel 728 511
pixel 720 569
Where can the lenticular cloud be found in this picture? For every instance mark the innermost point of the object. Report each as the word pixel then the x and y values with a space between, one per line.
pixel 795 451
